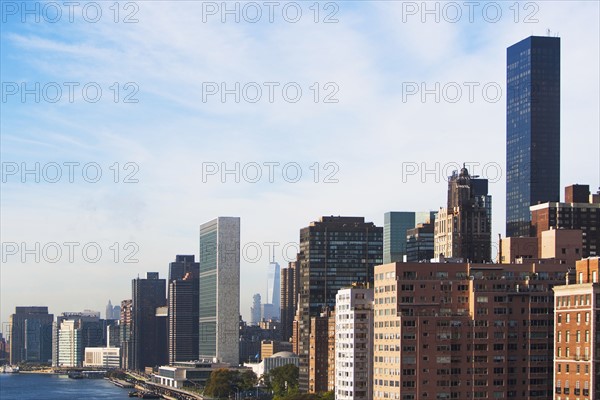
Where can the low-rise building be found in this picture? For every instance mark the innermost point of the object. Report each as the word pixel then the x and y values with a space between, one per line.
pixel 102 357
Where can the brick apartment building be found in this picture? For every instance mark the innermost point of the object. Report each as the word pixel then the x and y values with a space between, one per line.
pixel 464 331
pixel 577 335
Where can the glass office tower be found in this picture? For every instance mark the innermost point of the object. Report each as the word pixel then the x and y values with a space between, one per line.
pixel 219 295
pixel 532 129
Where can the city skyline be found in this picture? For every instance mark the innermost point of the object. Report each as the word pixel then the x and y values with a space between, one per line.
pixel 163 225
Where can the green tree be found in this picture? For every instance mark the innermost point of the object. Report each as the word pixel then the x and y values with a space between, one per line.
pixel 246 380
pixel 283 380
pixel 220 383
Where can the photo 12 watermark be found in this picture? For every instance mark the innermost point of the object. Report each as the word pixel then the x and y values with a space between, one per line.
pixel 453 12
pixel 250 252
pixel 69 252
pixel 253 12
pixel 53 12
pixel 269 92
pixel 69 172
pixel 451 92
pixel 423 172
pixel 269 172
pixel 69 92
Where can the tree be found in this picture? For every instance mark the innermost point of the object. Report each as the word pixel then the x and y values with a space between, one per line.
pixel 283 380
pixel 247 380
pixel 219 383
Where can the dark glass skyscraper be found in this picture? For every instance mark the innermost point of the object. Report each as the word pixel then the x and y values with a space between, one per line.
pixel 532 129
pixel 183 309
pixel 335 252
pixel 149 348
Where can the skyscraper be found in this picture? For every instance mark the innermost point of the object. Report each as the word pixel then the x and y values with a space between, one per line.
pixel 289 299
pixel 273 288
pixel 463 228
pixel 148 350
pixel 220 289
pixel 395 225
pixel 334 253
pixel 74 331
pixel 532 129
pixel 125 337
pixel 183 309
pixel 109 311
pixel 255 310
pixel 30 335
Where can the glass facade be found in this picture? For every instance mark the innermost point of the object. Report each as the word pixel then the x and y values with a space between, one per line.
pixel 208 291
pixel 334 253
pixel 532 129
pixel 395 225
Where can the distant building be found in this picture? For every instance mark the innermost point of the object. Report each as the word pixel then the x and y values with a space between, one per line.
pixel 289 299
pixel 577 334
pixel 354 344
pixel 276 360
pixel 31 335
pixel 579 211
pixel 109 310
pixel 420 242
pixel 273 290
pixel 353 248
pixel 73 332
pixel 149 347
pixel 463 228
pixel 220 289
pixel 102 357
pixel 270 347
pixel 532 129
pixel 125 336
pixel 396 223
pixel 267 311
pixel 70 343
pixel 256 309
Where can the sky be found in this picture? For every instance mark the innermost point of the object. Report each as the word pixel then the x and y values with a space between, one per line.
pixel 126 125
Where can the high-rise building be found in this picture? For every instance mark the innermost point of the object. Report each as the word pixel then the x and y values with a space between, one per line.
pixel 70 343
pixel 148 350
pixel 256 309
pixel 289 299
pixel 463 228
pixel 354 344
pixel 109 311
pixel 273 289
pixel 532 129
pixel 334 253
pixel 395 225
pixel 30 335
pixel 577 334
pixel 464 331
pixel 220 289
pixel 183 309
pixel 183 265
pixel 125 336
pixel 579 211
pixel 74 331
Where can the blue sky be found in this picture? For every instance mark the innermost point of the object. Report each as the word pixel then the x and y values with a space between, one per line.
pixel 169 55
